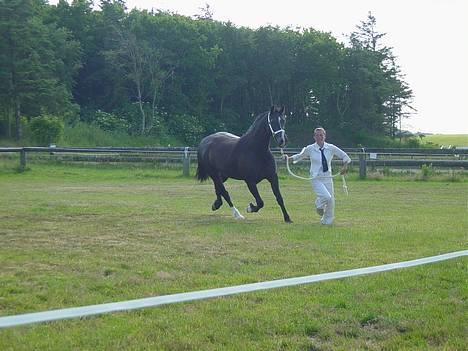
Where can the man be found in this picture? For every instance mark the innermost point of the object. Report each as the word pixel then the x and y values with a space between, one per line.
pixel 321 154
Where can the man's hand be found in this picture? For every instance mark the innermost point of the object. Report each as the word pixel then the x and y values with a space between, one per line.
pixel 344 169
pixel 286 157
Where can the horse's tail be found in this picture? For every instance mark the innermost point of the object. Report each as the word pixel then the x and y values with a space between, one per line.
pixel 202 174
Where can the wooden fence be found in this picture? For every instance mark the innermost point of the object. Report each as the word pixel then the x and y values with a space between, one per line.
pixel 364 157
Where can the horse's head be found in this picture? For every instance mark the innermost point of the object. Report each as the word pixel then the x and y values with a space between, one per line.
pixel 276 121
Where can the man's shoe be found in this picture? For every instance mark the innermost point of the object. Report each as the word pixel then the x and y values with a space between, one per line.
pixel 319 211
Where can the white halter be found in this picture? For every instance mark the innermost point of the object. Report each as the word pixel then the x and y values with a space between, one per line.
pixel 271 128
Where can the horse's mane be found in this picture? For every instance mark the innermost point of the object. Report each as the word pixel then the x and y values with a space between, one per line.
pixel 256 122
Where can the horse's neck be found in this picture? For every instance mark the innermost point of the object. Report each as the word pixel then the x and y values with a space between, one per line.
pixel 258 135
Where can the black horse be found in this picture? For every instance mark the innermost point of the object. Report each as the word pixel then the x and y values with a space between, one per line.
pixel 223 155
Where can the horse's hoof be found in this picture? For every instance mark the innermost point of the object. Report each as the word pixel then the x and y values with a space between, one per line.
pixel 236 213
pixel 216 205
pixel 288 220
pixel 250 208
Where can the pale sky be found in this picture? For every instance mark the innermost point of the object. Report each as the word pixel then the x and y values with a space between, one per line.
pixel 429 38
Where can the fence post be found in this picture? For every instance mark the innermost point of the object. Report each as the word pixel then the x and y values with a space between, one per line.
pixel 186 166
pixel 362 164
pixel 22 166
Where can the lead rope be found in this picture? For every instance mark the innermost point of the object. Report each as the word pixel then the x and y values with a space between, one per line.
pixel 345 186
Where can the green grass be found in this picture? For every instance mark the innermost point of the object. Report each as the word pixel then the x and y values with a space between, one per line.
pixel 446 139
pixel 73 236
pixel 86 135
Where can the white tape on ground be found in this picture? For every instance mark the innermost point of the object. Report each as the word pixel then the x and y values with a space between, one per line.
pixel 75 312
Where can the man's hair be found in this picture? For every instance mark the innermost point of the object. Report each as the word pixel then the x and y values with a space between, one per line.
pixel 320 129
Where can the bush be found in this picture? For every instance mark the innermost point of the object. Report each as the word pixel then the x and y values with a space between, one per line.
pixel 132 115
pixel 46 129
pixel 186 127
pixel 426 171
pixel 110 122
pixel 413 142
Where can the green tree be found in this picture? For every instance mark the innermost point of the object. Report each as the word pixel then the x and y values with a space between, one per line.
pixel 382 97
pixel 37 62
pixel 155 71
pixel 319 58
pixel 189 58
pixel 80 20
pixel 230 78
pixel 138 57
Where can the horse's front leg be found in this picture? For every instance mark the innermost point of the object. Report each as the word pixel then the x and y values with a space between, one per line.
pixel 275 187
pixel 254 191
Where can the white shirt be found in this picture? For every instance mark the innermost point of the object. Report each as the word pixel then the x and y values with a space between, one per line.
pixel 313 151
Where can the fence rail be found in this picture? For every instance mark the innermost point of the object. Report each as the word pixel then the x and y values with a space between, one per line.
pixel 373 157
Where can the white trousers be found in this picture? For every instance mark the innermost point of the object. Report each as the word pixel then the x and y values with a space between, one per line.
pixel 323 188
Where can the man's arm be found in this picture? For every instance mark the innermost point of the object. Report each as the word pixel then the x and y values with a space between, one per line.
pixel 344 156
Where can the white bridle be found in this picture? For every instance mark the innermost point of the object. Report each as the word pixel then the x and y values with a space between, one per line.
pixel 282 131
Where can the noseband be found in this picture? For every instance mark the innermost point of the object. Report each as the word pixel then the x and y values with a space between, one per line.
pixel 282 131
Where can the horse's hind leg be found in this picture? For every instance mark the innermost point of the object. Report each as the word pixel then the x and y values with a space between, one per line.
pixel 221 191
pixel 254 191
pixel 218 202
pixel 218 190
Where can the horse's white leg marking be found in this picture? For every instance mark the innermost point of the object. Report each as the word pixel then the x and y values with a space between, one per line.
pixel 236 213
pixel 249 209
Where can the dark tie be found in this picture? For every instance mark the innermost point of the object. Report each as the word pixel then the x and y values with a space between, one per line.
pixel 324 161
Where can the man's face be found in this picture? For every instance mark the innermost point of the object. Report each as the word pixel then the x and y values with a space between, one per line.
pixel 319 137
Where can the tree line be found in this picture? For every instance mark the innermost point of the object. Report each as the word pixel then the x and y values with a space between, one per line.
pixel 160 73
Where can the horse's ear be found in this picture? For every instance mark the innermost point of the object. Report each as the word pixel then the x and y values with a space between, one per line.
pixel 282 110
pixel 272 109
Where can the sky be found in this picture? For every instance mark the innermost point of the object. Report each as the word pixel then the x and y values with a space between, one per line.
pixel 428 37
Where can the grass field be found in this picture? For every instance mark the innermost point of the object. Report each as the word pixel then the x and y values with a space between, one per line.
pixel 74 236
pixel 447 139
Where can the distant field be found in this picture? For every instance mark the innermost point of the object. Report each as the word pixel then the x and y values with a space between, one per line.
pixel 75 235
pixel 447 139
